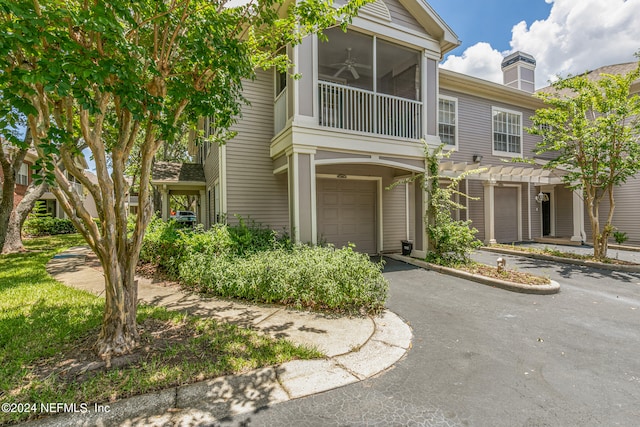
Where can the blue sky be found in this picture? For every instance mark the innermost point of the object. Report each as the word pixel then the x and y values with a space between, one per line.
pixel 565 36
pixel 489 20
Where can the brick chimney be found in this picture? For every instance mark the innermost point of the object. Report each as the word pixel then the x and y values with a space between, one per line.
pixel 518 71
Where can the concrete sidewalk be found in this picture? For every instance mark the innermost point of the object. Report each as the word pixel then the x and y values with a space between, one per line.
pixel 356 348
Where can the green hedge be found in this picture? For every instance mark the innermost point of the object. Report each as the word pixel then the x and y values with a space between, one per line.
pixel 48 226
pixel 254 263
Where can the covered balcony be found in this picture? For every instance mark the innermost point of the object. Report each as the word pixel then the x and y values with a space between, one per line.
pixel 370 85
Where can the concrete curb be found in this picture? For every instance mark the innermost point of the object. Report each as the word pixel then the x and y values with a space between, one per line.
pixel 592 264
pixel 552 288
pixel 207 402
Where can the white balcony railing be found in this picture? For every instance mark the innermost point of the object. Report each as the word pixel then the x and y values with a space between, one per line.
pixel 78 187
pixel 344 107
pixel 280 113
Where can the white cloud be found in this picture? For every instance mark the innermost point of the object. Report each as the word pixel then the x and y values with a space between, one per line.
pixel 578 35
pixel 478 60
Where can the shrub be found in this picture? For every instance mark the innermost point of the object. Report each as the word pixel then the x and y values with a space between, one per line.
pixel 251 262
pixel 318 278
pixel 451 240
pixel 167 243
pixel 163 245
pixel 48 226
pixel 620 237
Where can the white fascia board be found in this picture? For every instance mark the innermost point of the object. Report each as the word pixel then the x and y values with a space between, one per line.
pixel 316 137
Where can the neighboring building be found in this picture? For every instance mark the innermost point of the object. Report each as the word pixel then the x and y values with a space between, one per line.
pixel 314 157
pixel 51 205
pixel 23 178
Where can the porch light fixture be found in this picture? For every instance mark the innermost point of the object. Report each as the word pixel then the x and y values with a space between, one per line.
pixel 542 197
pixel 477 158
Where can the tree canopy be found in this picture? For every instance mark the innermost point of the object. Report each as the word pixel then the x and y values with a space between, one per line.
pixel 592 129
pixel 102 74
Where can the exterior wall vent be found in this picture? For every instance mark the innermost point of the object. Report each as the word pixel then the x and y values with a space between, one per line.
pixel 377 9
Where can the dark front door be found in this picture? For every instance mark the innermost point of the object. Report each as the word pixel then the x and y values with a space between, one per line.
pixel 546 215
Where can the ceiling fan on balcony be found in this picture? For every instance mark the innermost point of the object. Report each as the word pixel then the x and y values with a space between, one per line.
pixel 350 64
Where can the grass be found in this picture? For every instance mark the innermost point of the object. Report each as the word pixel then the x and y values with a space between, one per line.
pixel 47 331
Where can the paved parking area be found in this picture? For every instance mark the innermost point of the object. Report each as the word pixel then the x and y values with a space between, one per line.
pixel 630 256
pixel 487 357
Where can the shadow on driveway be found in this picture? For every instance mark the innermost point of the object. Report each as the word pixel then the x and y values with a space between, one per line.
pixel 565 271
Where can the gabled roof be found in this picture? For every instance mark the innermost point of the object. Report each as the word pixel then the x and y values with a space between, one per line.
pixel 172 172
pixel 433 23
pixel 615 69
pixel 470 85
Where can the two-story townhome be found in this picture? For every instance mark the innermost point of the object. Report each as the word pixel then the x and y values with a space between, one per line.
pixel 485 124
pixel 315 157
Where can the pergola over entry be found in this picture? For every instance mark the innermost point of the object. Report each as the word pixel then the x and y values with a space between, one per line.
pixel 179 179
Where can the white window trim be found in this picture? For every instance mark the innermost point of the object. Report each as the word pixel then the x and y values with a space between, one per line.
pixel 493 146
pixel 23 178
pixel 457 126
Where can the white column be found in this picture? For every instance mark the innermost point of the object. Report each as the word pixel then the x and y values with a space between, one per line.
pixel 489 212
pixel 202 216
pixel 579 234
pixel 529 207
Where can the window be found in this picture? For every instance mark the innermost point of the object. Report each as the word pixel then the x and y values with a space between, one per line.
pixel 507 132
pixel 23 175
pixel 447 115
pixel 281 82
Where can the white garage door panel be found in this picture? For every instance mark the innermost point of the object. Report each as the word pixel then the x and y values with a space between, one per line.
pixel 347 213
pixel 506 214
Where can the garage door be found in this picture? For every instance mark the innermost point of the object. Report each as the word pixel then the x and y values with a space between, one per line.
pixel 506 214
pixel 347 213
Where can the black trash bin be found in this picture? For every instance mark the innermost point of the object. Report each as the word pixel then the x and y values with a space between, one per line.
pixel 407 247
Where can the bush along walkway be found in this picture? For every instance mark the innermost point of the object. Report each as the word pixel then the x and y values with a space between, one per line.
pixel 355 347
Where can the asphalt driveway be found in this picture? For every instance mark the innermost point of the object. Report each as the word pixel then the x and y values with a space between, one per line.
pixel 487 357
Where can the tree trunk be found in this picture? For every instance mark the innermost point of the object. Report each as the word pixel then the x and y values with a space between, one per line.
pixel 119 333
pixel 6 203
pixel 13 241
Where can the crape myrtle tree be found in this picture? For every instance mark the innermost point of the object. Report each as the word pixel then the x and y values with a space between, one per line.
pixel 110 72
pixel 592 128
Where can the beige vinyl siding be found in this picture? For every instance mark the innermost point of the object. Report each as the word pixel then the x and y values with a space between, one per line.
pixel 401 16
pixel 475 129
pixel 625 215
pixel 564 211
pixel 211 175
pixel 252 188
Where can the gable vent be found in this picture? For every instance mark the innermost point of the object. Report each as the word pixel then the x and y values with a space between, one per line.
pixel 377 9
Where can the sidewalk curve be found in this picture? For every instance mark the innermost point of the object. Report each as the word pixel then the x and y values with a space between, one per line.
pixel 356 348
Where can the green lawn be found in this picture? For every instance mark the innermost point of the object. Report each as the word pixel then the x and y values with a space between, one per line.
pixel 47 329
